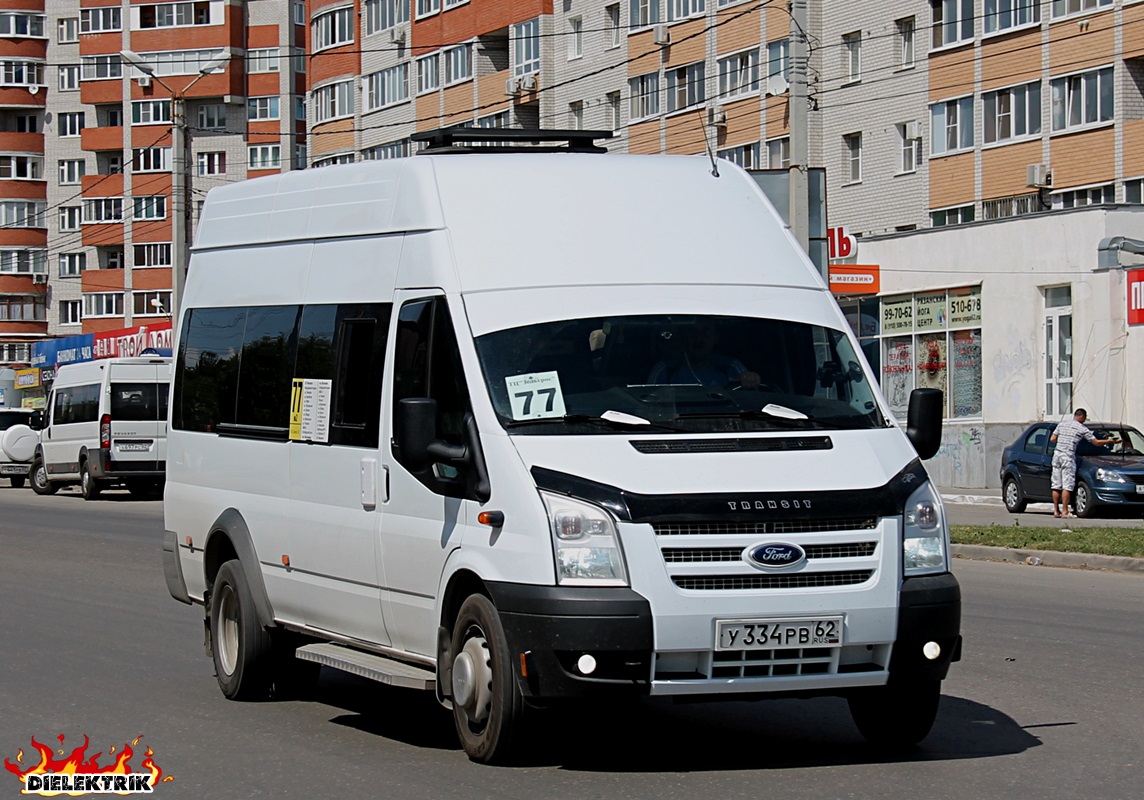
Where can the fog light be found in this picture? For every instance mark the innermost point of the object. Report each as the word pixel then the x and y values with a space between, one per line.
pixel 931 650
pixel 586 664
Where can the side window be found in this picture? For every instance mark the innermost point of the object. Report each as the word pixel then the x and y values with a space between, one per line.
pixel 266 367
pixel 345 344
pixel 428 364
pixel 1035 444
pixel 206 368
pixel 61 407
pixel 84 405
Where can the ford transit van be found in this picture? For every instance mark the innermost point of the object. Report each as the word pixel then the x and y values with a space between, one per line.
pixel 530 427
pixel 105 426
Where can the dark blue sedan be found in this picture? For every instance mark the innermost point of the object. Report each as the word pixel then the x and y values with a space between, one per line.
pixel 1111 476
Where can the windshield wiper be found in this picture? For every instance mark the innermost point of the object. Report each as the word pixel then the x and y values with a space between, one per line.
pixel 610 419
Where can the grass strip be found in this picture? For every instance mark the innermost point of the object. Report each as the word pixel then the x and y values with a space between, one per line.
pixel 1095 540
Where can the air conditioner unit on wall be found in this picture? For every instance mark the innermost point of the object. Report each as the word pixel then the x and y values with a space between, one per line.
pixel 397 35
pixel 911 130
pixel 512 86
pixel 716 116
pixel 144 80
pixel 528 83
pixel 661 35
pixel 40 278
pixel 1038 176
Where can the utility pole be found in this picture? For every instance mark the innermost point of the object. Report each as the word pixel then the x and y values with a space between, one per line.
pixel 799 124
pixel 180 171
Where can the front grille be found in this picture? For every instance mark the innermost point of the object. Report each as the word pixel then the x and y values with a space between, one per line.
pixel 769 527
pixel 804 580
pixel 768 663
pixel 679 555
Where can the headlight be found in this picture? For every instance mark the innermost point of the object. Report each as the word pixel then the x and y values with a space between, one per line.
pixel 925 537
pixel 1110 476
pixel 586 543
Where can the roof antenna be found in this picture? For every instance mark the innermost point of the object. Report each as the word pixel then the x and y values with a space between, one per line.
pixel 707 144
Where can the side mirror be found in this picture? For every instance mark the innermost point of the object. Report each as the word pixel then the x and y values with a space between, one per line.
pixel 36 421
pixel 923 421
pixel 415 431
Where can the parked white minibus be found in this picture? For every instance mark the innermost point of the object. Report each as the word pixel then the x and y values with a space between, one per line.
pixel 530 427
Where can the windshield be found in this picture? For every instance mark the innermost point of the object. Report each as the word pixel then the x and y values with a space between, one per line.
pixel 1131 442
pixel 687 373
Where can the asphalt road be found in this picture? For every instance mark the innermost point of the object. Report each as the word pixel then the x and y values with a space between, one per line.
pixel 975 512
pixel 1046 703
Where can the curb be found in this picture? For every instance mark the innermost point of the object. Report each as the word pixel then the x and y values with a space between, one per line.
pixel 1049 558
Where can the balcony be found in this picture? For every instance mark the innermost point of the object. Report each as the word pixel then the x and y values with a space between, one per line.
pixel 96 139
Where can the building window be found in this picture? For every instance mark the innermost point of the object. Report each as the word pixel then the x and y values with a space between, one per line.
pixel 70 312
pixel 151 159
pixel 682 9
pixel 100 20
pixel 299 13
pixel 149 207
pixel 264 156
pixel 642 13
pixel 909 136
pixel 612 26
pixel 300 109
pixel 71 171
pixel 263 59
pixel 427 7
pixel 952 21
pixel 951 126
pixel 575 37
pixel 21 23
pixel 21 73
pixel 70 218
pixel 98 68
pixel 1134 191
pixel 68 30
pixel 332 28
pixel 17 309
pixel 150 112
pixel 298 55
pixel 111 258
pixel 103 304
pixel 526 47
pixel 745 156
pixel 70 123
pixel 28 168
pixel 384 152
pixel 576 115
pixel 458 64
pixel 428 73
pixel 931 340
pixel 258 108
pixel 1086 196
pixel 24 261
pixel 778 153
pixel 852 42
pixel 387 87
pixel 300 154
pixel 212 163
pixel 330 161
pixel 852 153
pixel 383 14
pixel 22 213
pixel 332 101
pixel 150 304
pixel 614 113
pixel 152 255
pixel 738 74
pixel 958 215
pixel 778 66
pixel 1083 99
pixel 212 117
pixel 905 30
pixel 644 94
pixel 1062 8
pixel 175 15
pixel 180 62
pixel 72 265
pixel 69 78
pixel 1012 113
pixel 685 87
pixel 1001 15
pixel 103 209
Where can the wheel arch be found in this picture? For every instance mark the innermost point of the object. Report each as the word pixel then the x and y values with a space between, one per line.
pixel 229 539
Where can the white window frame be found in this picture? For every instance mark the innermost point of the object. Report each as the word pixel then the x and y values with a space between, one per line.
pixel 72 265
pixel 575 38
pixel 427 8
pixel 211 162
pixel 615 112
pixel 106 19
pixel 778 153
pixel 22 166
pixel 209 116
pixel 911 150
pixel 150 112
pixel 69 77
pixel 263 59
pixel 151 254
pixel 952 23
pixel 941 127
pixel 906 30
pixel 428 73
pixel 181 62
pixel 612 26
pixel 458 64
pixel 852 157
pixel 1065 90
pixel 70 124
pixel 745 155
pixel 102 304
pixel 264 156
pixel 333 101
pixel 1001 16
pixel 381 15
pixel 144 299
pixel 266 107
pixel 385 152
pixel 685 9
pixel 386 87
pixel 1071 8
pixel 643 93
pixel 642 14
pixel 526 47
pixel 71 312
pixel 174 15
pixel 686 87
pixel 962 210
pixel 333 27
pixel 71 218
pixel 738 74
pixel 852 46
pixel 149 207
pixel 67 30
pixel 1012 106
pixel 24 261
pixel 22 72
pixel 71 171
pixel 102 210
pixel 101 67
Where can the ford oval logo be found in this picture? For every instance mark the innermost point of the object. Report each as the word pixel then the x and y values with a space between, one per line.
pixel 775 555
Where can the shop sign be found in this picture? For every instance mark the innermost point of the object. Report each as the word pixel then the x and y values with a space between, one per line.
pixel 1136 297
pixel 34 402
pixel 897 315
pixel 965 307
pixel 47 375
pixel 854 279
pixel 840 243
pixel 930 311
pixel 27 378
pixel 133 341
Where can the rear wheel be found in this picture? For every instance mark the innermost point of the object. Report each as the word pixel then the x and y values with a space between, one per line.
pixel 17 482
pixel 1014 498
pixel 88 485
pixel 40 482
pixel 896 716
pixel 1083 500
pixel 487 704
pixel 240 645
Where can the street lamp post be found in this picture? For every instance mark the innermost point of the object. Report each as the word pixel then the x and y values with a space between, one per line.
pixel 180 170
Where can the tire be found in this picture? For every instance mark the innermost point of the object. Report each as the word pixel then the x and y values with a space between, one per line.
pixel 88 486
pixel 896 716
pixel 145 489
pixel 487 704
pixel 1083 501
pixel 240 646
pixel 17 482
pixel 1014 498
pixel 292 678
pixel 40 482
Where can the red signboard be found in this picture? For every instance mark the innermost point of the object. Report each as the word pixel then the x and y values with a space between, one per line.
pixel 854 279
pixel 132 341
pixel 1136 297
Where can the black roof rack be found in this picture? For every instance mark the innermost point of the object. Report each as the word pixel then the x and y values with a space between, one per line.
pixel 529 140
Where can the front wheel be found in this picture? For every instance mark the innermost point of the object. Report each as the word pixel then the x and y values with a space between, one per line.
pixel 240 645
pixel 487 704
pixel 40 482
pixel 1014 498
pixel 88 486
pixel 896 716
pixel 1082 500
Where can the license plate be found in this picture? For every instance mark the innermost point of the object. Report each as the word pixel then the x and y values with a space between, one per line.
pixel 767 634
pixel 126 446
pixel 13 469
pixel 1140 488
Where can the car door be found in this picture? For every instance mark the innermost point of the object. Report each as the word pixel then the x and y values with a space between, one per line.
pixel 1036 462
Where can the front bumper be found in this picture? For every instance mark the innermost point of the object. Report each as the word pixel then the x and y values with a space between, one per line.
pixel 929 610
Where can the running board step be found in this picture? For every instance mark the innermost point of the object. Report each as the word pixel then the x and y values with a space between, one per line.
pixel 369 665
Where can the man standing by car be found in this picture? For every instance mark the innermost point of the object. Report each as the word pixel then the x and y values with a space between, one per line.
pixel 1067 435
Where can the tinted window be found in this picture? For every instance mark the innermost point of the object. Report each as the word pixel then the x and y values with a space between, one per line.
pixel 10 418
pixel 76 404
pixel 207 368
pixel 1035 444
pixel 266 367
pixel 137 402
